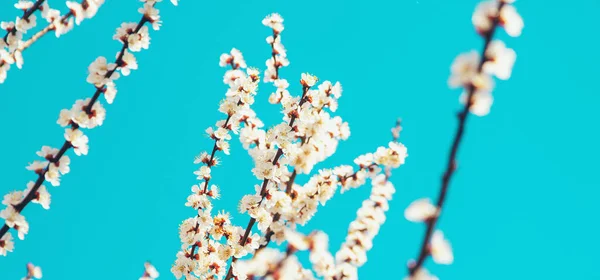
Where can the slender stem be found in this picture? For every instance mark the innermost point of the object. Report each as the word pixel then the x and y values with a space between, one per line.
pixel 451 164
pixel 66 145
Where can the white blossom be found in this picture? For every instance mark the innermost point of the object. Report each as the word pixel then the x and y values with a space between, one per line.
pixel 33 272
pixel 440 249
pixel 481 102
pixel 78 140
pixel 511 20
pixel 128 63
pixel 6 244
pixel 13 198
pixel 499 60
pixel 308 80
pixel 274 21
pixel 24 5
pixel 11 216
pixel 150 272
pixel 464 69
pixel 420 210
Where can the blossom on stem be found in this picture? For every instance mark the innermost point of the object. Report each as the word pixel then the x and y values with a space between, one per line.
pixel 440 249
pixel 481 102
pixel 33 272
pixel 499 60
pixel 420 210
pixel 472 72
pixel 150 272
pixel 6 244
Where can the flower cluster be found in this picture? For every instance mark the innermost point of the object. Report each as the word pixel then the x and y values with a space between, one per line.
pixel 473 72
pixel 370 217
pixel 203 253
pixel 33 272
pixel 150 273
pixel 307 135
pixel 278 52
pixel 12 46
pixel 87 113
pixel 320 188
pixel 270 263
pixel 273 264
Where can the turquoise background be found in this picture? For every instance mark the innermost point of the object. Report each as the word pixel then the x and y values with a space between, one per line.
pixel 523 204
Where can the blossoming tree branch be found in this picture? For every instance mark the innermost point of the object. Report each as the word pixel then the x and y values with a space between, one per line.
pixel 473 73
pixel 84 114
pixel 277 203
pixel 212 246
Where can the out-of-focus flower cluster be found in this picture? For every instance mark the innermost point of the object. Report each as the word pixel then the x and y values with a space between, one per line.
pixel 308 134
pixel 33 272
pixel 85 113
pixel 12 45
pixel 370 217
pixel 471 71
pixel 150 272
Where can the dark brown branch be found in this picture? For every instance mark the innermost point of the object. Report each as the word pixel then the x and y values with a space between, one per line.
pixel 67 145
pixel 451 164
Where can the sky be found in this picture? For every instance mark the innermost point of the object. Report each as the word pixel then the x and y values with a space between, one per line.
pixel 521 206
